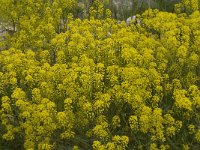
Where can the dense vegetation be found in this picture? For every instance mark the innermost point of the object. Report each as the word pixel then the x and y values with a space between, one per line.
pixel 97 83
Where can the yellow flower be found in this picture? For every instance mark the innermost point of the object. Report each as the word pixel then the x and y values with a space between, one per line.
pixel 191 128
pixel 133 121
pixel 197 136
pixel 116 121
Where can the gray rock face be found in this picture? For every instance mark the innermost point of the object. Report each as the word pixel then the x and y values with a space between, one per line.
pixel 128 20
pixel 4 29
pixel 122 9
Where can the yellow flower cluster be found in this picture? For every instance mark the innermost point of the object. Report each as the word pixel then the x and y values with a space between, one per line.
pixel 187 6
pixel 101 84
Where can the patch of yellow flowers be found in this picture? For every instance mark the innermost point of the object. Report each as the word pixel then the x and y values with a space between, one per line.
pixel 104 85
